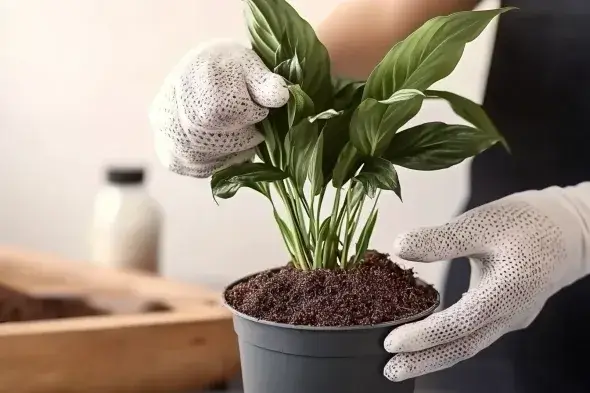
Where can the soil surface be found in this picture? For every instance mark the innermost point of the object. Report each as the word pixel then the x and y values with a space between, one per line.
pixel 16 306
pixel 375 292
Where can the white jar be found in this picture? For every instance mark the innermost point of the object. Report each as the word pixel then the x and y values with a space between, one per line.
pixel 126 223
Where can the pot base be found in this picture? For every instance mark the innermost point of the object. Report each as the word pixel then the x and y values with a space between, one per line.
pixel 273 371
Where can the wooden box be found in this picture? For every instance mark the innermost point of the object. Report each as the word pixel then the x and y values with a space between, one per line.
pixel 186 349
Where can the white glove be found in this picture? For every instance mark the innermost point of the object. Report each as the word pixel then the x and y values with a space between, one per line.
pixel 204 114
pixel 528 246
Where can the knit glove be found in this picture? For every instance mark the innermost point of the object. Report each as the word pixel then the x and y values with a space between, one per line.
pixel 203 116
pixel 527 247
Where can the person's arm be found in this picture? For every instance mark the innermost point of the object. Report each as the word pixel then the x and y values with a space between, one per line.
pixel 358 33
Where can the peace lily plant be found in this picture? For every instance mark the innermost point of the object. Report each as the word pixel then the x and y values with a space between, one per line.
pixel 347 135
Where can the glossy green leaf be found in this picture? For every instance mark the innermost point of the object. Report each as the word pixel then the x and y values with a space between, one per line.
pixel 347 164
pixel 336 135
pixel 433 146
pixel 429 54
pixel 226 182
pixel 299 146
pixel 358 193
pixel 378 173
pixel 277 32
pixel 402 95
pixel 291 70
pixel 347 93
pixel 374 124
pixel 468 110
pixel 325 115
pixel 299 105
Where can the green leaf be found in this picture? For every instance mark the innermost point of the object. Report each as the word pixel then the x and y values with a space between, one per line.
pixel 316 175
pixel 325 115
pixel 374 124
pixel 299 105
pixel 429 54
pixel 322 237
pixel 290 69
pixel 378 173
pixel 299 145
pixel 226 190
pixel 226 182
pixel 348 162
pixel 433 146
pixel 347 93
pixel 336 135
pixel 469 111
pixel 364 125
pixel 365 236
pixel 402 95
pixel 325 227
pixel 358 193
pixel 277 32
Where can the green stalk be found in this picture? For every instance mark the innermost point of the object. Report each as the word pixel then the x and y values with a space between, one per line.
pixel 347 239
pixel 328 261
pixel 357 258
pixel 352 223
pixel 300 204
pixel 288 236
pixel 300 250
pixel 313 230
pixel 320 202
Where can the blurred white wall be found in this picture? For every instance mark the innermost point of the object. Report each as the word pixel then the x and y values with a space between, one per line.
pixel 76 79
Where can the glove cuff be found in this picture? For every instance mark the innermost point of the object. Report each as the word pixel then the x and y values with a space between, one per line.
pixel 569 209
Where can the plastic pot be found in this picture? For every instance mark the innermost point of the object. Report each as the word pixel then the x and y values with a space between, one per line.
pixel 281 358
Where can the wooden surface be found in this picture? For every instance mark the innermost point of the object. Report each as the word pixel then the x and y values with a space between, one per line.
pixel 186 349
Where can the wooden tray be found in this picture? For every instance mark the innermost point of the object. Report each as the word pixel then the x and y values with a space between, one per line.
pixel 186 349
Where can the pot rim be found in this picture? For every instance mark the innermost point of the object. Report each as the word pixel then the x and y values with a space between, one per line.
pixel 390 324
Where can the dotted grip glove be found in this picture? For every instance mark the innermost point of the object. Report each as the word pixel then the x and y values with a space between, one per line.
pixel 527 246
pixel 203 116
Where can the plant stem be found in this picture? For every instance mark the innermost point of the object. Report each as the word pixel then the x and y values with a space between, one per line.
pixel 320 202
pixel 313 224
pixel 296 201
pixel 328 261
pixel 300 250
pixel 301 257
pixel 347 236
pixel 357 258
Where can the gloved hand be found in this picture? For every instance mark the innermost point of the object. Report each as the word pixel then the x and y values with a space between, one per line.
pixel 528 246
pixel 204 114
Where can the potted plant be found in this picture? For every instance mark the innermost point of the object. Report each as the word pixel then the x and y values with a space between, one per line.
pixel 317 324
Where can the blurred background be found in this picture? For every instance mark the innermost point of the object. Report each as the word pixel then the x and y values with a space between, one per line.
pixel 76 81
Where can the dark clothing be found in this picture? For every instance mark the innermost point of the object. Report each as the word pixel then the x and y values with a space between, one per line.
pixel 538 94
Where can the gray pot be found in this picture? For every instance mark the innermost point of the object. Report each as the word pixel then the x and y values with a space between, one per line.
pixel 281 358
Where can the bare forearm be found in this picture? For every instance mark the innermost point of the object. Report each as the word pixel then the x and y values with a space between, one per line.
pixel 359 33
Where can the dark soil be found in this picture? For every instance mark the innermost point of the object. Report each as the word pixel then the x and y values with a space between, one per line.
pixel 16 306
pixel 375 292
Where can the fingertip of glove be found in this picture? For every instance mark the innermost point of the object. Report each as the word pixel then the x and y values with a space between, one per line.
pixel 404 246
pixel 273 92
pixel 396 340
pixel 396 369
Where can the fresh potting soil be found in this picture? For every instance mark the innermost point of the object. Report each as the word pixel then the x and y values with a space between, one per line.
pixel 375 292
pixel 16 306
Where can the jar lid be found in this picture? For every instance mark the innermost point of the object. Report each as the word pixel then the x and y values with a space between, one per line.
pixel 125 175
